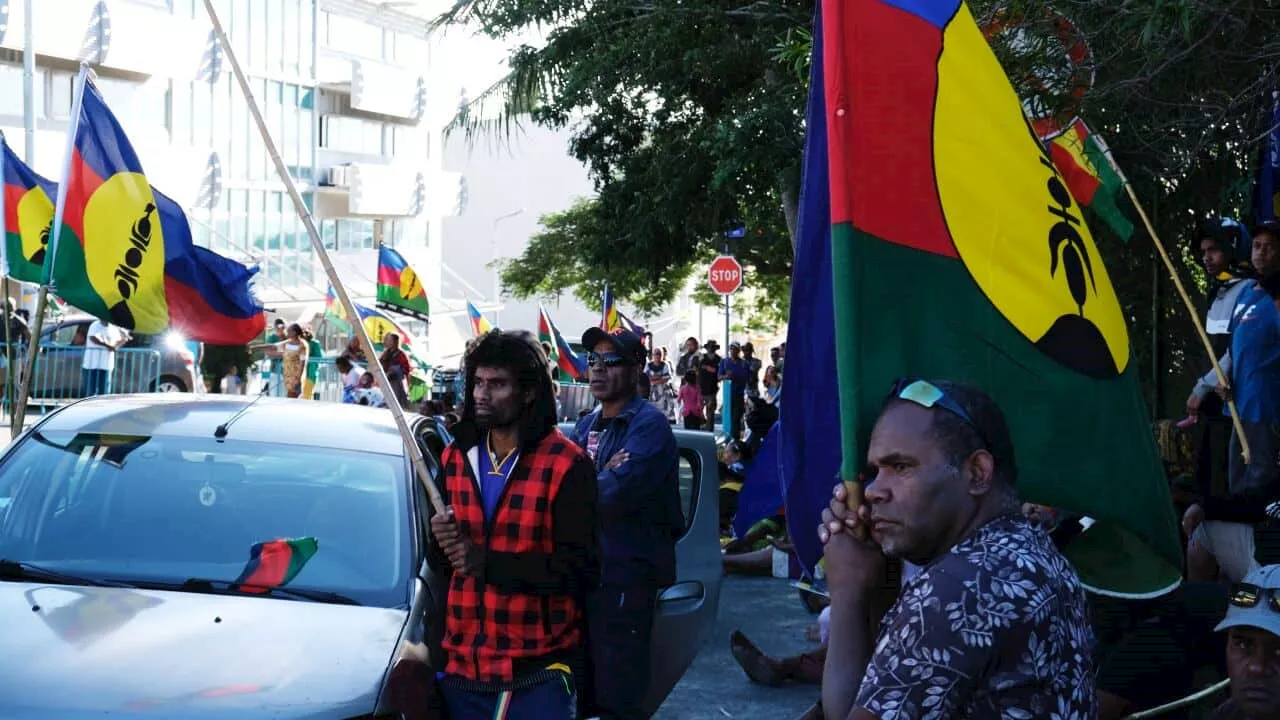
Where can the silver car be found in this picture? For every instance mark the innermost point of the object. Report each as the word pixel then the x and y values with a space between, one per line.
pixel 126 521
pixel 148 363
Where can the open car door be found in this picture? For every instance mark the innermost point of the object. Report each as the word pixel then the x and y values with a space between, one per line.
pixel 686 613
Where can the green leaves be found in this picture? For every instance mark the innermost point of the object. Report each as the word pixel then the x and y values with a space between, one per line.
pixel 689 113
pixel 682 116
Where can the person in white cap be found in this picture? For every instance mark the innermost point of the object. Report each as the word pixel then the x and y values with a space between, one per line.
pixel 1253 647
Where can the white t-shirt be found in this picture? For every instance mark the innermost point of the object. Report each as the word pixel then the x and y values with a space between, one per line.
pixel 97 357
pixel 352 378
pixel 231 385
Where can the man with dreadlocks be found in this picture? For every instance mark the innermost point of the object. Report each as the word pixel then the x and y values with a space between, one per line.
pixel 520 539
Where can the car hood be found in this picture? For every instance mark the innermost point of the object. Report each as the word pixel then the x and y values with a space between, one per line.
pixel 72 652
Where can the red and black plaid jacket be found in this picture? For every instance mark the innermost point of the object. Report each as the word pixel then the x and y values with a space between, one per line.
pixel 542 550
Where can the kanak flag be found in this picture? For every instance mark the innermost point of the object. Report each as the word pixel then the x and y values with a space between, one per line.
pixel 562 354
pixel 123 250
pixel 919 159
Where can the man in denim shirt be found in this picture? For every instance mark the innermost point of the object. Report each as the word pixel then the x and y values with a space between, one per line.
pixel 635 454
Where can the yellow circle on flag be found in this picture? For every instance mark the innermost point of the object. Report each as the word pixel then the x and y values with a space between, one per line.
pixel 124 252
pixel 35 213
pixel 1013 221
pixel 409 285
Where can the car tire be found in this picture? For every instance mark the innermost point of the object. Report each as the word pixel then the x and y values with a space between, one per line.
pixel 169 383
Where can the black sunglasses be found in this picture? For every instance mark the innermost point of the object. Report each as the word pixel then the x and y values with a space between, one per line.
pixel 1248 595
pixel 927 395
pixel 607 359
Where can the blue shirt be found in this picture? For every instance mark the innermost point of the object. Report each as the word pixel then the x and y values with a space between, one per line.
pixel 1255 357
pixel 493 480
pixel 640 513
pixel 739 374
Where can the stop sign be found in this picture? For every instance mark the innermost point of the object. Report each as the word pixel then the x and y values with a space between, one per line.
pixel 725 275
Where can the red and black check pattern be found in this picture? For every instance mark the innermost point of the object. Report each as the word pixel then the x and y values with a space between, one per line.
pixel 488 630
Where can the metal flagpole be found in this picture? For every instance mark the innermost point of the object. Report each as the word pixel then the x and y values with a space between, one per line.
pixel 29 155
pixel 10 357
pixel 379 374
pixel 42 300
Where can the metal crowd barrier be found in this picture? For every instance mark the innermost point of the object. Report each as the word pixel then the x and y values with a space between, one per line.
pixel 574 398
pixel 59 375
pixel 327 386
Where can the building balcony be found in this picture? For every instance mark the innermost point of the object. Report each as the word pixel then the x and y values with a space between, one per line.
pixel 373 87
pixel 371 190
pixel 111 34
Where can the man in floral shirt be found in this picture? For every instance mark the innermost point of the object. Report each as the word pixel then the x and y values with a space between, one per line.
pixel 994 625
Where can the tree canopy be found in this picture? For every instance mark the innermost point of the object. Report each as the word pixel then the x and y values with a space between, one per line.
pixel 686 122
pixel 689 117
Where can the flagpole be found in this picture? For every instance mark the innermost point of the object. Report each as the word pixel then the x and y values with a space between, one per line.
pixel 11 358
pixel 379 373
pixel 51 250
pixel 1186 299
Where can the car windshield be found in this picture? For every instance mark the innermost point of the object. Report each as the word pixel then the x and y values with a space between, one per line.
pixel 165 509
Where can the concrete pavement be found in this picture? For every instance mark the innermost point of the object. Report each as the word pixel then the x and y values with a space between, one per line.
pixel 769 612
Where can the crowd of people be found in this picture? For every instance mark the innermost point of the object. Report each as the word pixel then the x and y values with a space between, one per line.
pixel 942 594
pixel 295 358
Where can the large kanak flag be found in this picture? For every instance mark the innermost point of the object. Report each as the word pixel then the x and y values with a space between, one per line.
pixel 937 239
pixel 123 250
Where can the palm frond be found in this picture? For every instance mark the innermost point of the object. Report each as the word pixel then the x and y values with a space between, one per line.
pixel 496 113
pixel 470 13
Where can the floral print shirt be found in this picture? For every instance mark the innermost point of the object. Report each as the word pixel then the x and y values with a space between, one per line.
pixel 995 628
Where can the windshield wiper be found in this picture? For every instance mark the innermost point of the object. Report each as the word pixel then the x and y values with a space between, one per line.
pixel 17 570
pixel 222 587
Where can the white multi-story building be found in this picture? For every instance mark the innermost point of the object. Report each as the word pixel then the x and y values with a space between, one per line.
pixel 343 86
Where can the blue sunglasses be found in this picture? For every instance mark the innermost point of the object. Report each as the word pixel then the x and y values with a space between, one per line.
pixel 607 359
pixel 927 395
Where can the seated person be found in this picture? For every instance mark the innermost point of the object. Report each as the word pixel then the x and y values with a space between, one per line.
pixel 733 473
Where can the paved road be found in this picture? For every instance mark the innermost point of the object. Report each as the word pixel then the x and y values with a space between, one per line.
pixel 770 613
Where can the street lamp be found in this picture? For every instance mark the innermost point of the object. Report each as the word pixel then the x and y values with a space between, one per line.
pixel 497 282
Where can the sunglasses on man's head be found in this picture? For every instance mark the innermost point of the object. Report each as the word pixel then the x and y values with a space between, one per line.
pixel 927 395
pixel 607 359
pixel 1248 595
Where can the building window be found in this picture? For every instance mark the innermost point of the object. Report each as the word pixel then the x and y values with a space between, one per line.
pixel 221 112
pixel 354 37
pixel 181 129
pixel 410 51
pixel 329 234
pixel 353 234
pixel 306 39
pixel 291 26
pixel 11 83
pixel 59 89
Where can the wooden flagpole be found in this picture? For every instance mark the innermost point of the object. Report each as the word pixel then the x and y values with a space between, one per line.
pixel 1182 292
pixel 379 374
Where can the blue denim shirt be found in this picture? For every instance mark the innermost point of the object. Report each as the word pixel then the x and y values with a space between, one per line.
pixel 640 513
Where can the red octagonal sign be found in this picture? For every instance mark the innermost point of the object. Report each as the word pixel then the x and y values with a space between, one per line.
pixel 725 275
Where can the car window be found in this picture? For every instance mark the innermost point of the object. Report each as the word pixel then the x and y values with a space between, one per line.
pixel 690 479
pixel 69 334
pixel 164 509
